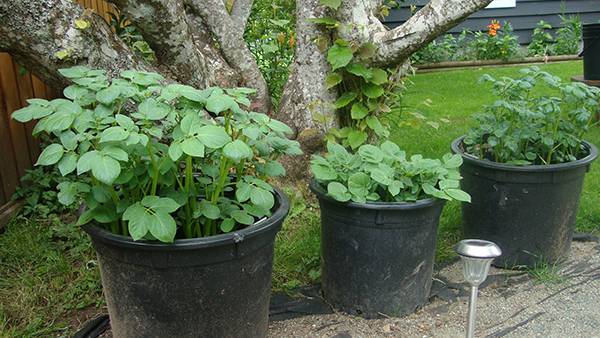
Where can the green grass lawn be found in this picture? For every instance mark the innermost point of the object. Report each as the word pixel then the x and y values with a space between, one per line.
pixel 49 282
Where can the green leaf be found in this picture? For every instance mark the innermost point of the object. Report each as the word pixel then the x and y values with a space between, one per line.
pixel 372 91
pixel 458 195
pixel 193 147
pixel 59 121
pixel 51 154
pixel 359 69
pixel 125 122
pixel 160 204
pixel 116 153
pixel 213 136
pixel 263 198
pixel 84 164
pixel 219 102
pixel 379 77
pixel 154 110
pixel 108 95
pixel 356 138
pixel 243 192
pixel 358 184
pixel 74 72
pixel 242 217
pixel 374 123
pixel 162 226
pixel 106 169
pixel 68 140
pixel 344 99
pixel 271 169
pixel 359 111
pixel 138 221
pixel 175 151
pixel 339 56
pixel 227 225
pixel 338 191
pixel 113 134
pixel 370 153
pixel 209 210
pixel 68 192
pixel 332 80
pixel 333 4
pixel 67 163
pixel 280 127
pixel 394 187
pixel 237 151
pixel 452 161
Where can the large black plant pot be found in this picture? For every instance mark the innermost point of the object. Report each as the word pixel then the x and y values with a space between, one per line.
pixel 216 286
pixel 377 257
pixel 529 211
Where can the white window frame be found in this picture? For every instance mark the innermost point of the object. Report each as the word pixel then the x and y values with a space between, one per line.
pixel 503 4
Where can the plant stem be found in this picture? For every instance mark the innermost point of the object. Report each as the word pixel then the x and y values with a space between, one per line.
pixel 188 190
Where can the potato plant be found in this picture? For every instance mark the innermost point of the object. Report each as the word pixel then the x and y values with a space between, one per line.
pixel 537 119
pixel 385 174
pixel 159 161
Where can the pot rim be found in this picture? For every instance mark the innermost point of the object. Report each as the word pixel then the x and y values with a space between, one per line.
pixel 321 194
pixel 262 226
pixel 585 161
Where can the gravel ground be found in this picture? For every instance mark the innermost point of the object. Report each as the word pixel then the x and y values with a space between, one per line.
pixel 510 305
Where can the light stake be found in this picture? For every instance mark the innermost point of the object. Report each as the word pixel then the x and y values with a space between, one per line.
pixel 477 256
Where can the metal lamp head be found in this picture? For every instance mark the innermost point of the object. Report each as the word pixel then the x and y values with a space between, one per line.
pixel 477 256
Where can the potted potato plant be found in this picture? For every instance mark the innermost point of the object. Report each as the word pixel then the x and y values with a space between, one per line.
pixel 379 215
pixel 524 165
pixel 379 208
pixel 172 180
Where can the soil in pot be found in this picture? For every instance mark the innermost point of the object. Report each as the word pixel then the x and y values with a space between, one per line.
pixel 377 257
pixel 216 286
pixel 529 211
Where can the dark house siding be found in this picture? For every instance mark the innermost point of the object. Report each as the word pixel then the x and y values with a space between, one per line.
pixel 524 17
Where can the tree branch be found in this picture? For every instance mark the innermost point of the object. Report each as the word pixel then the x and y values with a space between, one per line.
pixel 233 47
pixel 240 14
pixel 164 26
pixel 429 22
pixel 42 36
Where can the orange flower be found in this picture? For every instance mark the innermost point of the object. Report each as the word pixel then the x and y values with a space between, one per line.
pixel 281 38
pixel 292 41
pixel 494 27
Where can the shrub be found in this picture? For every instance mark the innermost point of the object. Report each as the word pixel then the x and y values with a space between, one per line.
pixel 496 43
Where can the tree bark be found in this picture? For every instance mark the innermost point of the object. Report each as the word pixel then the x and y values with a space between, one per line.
pixel 42 36
pixel 164 26
pixel 305 93
pixel 233 47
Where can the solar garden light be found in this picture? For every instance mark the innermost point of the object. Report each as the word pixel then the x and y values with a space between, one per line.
pixel 477 256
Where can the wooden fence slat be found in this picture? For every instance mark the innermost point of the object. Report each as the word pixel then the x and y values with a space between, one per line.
pixel 8 168
pixel 26 92
pixel 17 129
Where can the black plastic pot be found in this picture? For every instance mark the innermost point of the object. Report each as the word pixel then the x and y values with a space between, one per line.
pixel 216 286
pixel 377 257
pixel 529 211
pixel 591 51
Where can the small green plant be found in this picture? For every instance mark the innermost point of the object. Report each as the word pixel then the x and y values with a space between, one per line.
pixel 38 190
pixel 546 273
pixel 130 35
pixel 569 35
pixel 523 127
pixel 154 164
pixel 384 173
pixel 541 40
pixel 496 43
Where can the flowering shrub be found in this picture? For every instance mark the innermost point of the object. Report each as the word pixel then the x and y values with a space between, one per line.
pixel 496 43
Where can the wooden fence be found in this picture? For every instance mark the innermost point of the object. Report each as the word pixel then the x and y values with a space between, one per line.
pixel 18 149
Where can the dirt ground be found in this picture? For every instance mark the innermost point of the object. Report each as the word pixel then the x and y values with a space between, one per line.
pixel 511 304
